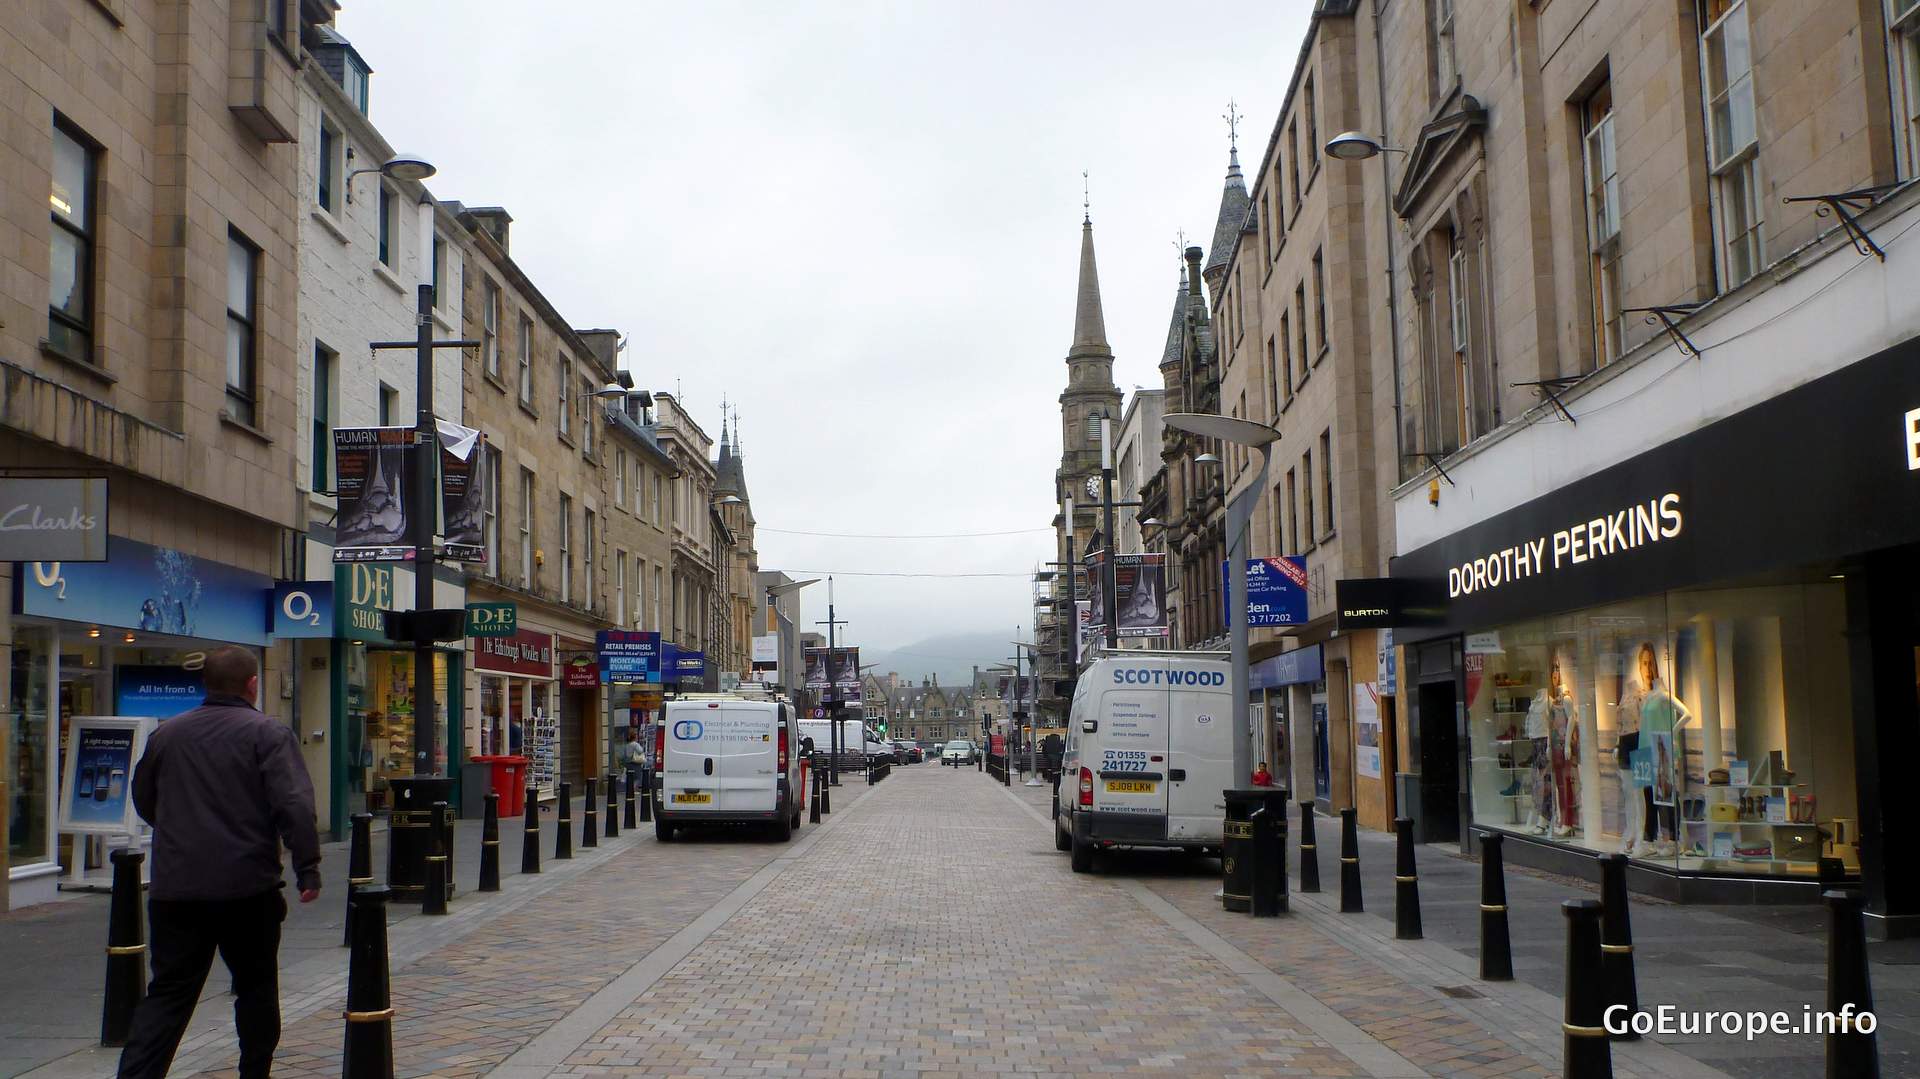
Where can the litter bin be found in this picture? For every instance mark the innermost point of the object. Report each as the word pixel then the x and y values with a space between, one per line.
pixel 409 838
pixel 507 777
pixel 1236 845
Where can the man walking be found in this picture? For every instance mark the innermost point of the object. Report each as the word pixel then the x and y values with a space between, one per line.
pixel 222 786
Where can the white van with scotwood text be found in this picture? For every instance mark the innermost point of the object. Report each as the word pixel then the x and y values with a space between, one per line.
pixel 1149 752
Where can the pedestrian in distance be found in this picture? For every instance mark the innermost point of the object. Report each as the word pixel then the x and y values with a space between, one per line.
pixel 634 756
pixel 223 786
pixel 1262 777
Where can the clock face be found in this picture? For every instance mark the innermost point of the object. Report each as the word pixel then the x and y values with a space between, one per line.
pixel 1093 487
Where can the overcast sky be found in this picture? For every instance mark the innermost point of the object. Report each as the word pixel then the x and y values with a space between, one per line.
pixel 859 223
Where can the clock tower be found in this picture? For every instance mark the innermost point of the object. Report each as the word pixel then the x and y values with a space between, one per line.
pixel 1090 394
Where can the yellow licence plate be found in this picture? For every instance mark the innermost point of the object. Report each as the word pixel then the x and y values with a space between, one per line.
pixel 1130 786
pixel 692 798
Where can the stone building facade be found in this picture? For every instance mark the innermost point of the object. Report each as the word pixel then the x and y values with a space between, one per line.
pixel 147 335
pixel 700 536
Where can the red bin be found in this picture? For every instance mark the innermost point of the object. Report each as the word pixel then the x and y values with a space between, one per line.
pixel 509 782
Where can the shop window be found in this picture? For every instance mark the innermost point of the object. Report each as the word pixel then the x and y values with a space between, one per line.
pixel 1703 730
pixel 380 722
pixel 28 766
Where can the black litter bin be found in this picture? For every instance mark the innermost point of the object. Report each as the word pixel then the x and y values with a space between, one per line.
pixel 410 836
pixel 1236 846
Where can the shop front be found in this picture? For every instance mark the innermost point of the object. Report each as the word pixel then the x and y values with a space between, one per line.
pixel 125 637
pixel 1283 726
pixel 519 704
pixel 587 739
pixel 1703 656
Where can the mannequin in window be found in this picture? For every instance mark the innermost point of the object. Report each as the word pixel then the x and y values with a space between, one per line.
pixel 1660 713
pixel 1563 743
pixel 1634 799
pixel 1540 821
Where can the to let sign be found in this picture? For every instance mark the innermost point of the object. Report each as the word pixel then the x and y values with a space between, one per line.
pixel 53 520
pixel 492 619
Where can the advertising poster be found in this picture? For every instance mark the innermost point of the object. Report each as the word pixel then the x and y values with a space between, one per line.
pixel 844 665
pixel 371 477
pixel 817 669
pixel 628 655
pixel 463 494
pixel 1096 570
pixel 159 692
pixel 151 589
pixel 97 787
pixel 1276 591
pixel 1366 729
pixel 1140 593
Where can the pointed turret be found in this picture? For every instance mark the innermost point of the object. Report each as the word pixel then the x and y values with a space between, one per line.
pixel 1089 324
pixel 1177 328
pixel 729 472
pixel 1226 228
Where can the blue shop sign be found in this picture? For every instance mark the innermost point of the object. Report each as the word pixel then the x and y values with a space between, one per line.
pixel 1276 591
pixel 684 664
pixel 151 589
pixel 302 609
pixel 160 692
pixel 1287 668
pixel 628 655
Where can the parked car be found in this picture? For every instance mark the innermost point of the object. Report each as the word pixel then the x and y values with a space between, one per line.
pixel 908 752
pixel 959 753
pixel 722 759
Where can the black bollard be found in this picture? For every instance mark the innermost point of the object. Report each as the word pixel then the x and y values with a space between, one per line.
pixel 1585 1051
pixel 1350 900
pixel 369 1039
pixel 826 796
pixel 563 838
pixel 646 800
pixel 1616 940
pixel 1309 851
pixel 813 802
pixel 631 818
pixel 613 806
pixel 1406 884
pixel 1268 848
pixel 126 950
pixel 490 845
pixel 359 865
pixel 434 897
pixel 590 815
pixel 530 838
pixel 1496 946
pixel 1851 1052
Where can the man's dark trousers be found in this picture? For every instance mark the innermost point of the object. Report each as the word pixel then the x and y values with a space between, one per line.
pixel 185 935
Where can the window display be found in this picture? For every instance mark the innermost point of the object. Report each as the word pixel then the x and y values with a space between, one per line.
pixel 1705 730
pixel 380 722
pixel 28 774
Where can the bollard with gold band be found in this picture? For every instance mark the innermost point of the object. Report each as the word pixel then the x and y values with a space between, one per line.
pixel 590 825
pixel 563 839
pixel 1351 901
pixel 1496 947
pixel 490 845
pixel 1616 939
pixel 1585 1051
pixel 1309 851
pixel 530 835
pixel 126 950
pixel 434 891
pixel 613 807
pixel 368 1052
pixel 1406 884
pixel 359 865
pixel 632 818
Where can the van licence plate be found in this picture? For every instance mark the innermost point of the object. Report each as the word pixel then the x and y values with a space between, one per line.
pixel 692 798
pixel 1130 786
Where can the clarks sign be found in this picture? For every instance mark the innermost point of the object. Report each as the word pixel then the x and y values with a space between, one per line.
pixel 53 520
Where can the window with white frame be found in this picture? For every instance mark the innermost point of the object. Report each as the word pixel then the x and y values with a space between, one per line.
pixel 587 426
pixel 526 360
pixel 1446 64
pixel 526 528
pixel 565 547
pixel 1603 222
pixel 659 587
pixel 566 394
pixel 489 325
pixel 1903 23
pixel 1733 139
pixel 620 478
pixel 619 587
pixel 588 576
pixel 639 592
pixel 490 502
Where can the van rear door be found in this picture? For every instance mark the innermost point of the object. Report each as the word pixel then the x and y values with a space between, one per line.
pixel 742 737
pixel 688 769
pixel 1200 755
pixel 1130 775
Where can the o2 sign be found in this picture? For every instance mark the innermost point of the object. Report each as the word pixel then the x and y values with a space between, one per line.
pixel 302 609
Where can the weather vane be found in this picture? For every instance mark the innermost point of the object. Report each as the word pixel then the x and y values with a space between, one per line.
pixel 1086 196
pixel 1232 117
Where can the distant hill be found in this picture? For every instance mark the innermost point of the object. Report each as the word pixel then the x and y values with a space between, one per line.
pixel 952 657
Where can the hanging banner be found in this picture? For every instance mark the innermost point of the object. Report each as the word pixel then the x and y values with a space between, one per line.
pixel 371 483
pixel 844 665
pixel 1096 572
pixel 97 785
pixel 817 669
pixel 1139 594
pixel 463 493
pixel 1276 591
pixel 1082 627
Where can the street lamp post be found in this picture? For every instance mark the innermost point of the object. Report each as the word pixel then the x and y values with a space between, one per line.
pixel 833 697
pixel 1033 728
pixel 1108 580
pixel 1256 437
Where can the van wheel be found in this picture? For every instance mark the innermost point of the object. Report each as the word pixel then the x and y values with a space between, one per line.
pixel 783 830
pixel 1082 860
pixel 662 831
pixel 1061 840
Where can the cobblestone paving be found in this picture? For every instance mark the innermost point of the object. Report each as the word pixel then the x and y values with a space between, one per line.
pixel 935 932
pixel 464 1008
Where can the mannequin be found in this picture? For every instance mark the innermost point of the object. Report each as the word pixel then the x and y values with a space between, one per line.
pixel 1540 780
pixel 1660 713
pixel 1634 800
pixel 1563 738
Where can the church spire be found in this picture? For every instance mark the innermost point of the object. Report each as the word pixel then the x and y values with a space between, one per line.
pixel 1089 324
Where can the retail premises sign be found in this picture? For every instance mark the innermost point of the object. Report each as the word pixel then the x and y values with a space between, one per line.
pixel 53 520
pixel 492 619
pixel 628 655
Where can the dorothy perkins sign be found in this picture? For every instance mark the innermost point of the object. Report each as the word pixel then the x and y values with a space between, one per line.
pixel 53 520
pixel 1591 540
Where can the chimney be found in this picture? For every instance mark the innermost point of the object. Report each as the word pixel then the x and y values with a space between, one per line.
pixel 1194 255
pixel 494 220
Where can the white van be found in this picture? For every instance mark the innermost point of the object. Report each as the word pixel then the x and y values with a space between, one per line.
pixel 858 742
pixel 1149 750
pixel 724 759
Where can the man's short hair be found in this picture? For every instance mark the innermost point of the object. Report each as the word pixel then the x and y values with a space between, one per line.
pixel 228 669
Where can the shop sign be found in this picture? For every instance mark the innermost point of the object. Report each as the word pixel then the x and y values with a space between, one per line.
pixel 53 520
pixel 1276 591
pixel 158 692
pixel 365 592
pixel 1287 668
pixel 628 655
pixel 645 700
pixel 684 665
pixel 526 652
pixel 766 648
pixel 97 784
pixel 580 672
pixel 302 609
pixel 153 590
pixel 492 619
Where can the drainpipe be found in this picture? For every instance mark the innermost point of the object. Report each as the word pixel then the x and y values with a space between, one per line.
pixel 1386 207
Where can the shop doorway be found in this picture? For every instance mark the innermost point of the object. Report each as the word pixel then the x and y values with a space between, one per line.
pixel 1435 710
pixel 1322 754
